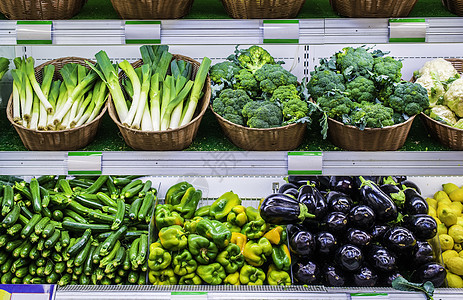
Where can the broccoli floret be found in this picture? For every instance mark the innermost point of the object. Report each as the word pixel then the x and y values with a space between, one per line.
pixel 354 62
pixel 230 103
pixel 224 72
pixel 398 118
pixel 285 93
pixel 385 92
pixel 323 81
pixel 335 105
pixel 295 109
pixel 270 77
pixel 388 66
pixel 409 98
pixel 245 80
pixel 361 89
pixel 254 58
pixel 262 114
pixel 371 115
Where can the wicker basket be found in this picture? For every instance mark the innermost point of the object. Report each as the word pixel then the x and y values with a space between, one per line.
pixel 40 9
pixel 172 139
pixel 263 9
pixel 349 137
pixel 373 8
pixel 61 140
pixel 454 6
pixel 152 9
pixel 263 139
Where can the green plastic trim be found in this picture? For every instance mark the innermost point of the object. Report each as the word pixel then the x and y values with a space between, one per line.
pixel 142 22
pixel 281 41
pixel 306 153
pixel 281 21
pixel 368 294
pixel 188 293
pixel 407 20
pixel 407 40
pixel 143 41
pixel 308 172
pixel 84 172
pixel 38 22
pixel 34 42
pixel 84 153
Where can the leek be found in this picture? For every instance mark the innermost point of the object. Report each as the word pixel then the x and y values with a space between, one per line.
pixel 82 107
pixel 86 116
pixel 143 99
pixel 35 113
pixel 146 124
pixel 132 75
pixel 173 103
pixel 17 89
pixel 35 85
pixel 155 102
pixel 99 98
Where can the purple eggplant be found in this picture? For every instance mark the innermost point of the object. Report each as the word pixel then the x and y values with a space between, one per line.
pixel 362 216
pixel 395 193
pixel 343 184
pixel 378 231
pixel 349 257
pixel 422 253
pixel 399 239
pixel 302 243
pixel 415 203
pixel 423 226
pixel 381 259
pixel 292 229
pixel 358 237
pixel 338 201
pixel 383 206
pixel 333 276
pixel 432 271
pixel 306 272
pixel 325 242
pixel 314 201
pixel 336 222
pixel 283 209
pixel 366 277
pixel 284 187
pixel 410 184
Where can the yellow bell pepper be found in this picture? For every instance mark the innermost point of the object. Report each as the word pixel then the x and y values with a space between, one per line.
pixel 239 239
pixel 274 235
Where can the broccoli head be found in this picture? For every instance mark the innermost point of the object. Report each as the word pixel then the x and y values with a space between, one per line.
pixel 361 89
pixel 388 66
pixel 224 72
pixel 295 109
pixel 335 104
pixel 409 98
pixel 385 92
pixel 285 93
pixel 254 58
pixel 270 77
pixel 371 115
pixel 245 80
pixel 230 103
pixel 323 81
pixel 262 114
pixel 354 62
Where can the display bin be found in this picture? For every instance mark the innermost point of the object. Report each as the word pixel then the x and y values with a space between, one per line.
pixel 373 8
pixel 152 9
pixel 263 9
pixel 41 9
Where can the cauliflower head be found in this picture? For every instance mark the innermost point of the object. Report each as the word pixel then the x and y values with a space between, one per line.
pixel 442 114
pixel 434 87
pixel 453 98
pixel 443 68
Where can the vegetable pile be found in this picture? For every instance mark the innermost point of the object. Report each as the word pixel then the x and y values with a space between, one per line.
pixel 363 88
pixel 222 243
pixel 55 104
pixel 376 230
pixel 251 89
pixel 162 92
pixel 445 91
pixel 4 65
pixel 83 230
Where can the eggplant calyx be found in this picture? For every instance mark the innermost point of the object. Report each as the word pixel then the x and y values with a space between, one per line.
pixel 399 198
pixel 304 213
pixel 390 180
pixel 365 182
pixel 398 220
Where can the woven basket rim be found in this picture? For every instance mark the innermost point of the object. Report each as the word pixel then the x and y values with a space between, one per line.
pixel 410 119
pixel 441 124
pixel 21 127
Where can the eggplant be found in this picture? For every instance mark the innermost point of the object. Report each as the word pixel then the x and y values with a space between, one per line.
pixel 415 203
pixel 381 259
pixel 423 226
pixel 333 276
pixel 422 253
pixel 300 180
pixel 293 192
pixel 283 209
pixel 361 216
pixel 378 231
pixel 325 243
pixel 302 243
pixel 358 181
pixel 383 206
pixel 306 272
pixel 411 184
pixel 395 193
pixel 358 237
pixel 399 239
pixel 349 257
pixel 314 201
pixel 291 229
pixel 343 184
pixel 365 277
pixel 284 187
pixel 432 271
pixel 338 201
pixel 336 222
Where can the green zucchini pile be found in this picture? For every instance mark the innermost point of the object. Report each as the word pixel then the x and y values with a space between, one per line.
pixel 84 230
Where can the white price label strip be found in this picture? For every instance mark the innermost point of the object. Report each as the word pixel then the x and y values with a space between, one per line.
pixel 305 163
pixel 369 296
pixel 281 31
pixel 188 295
pixel 407 30
pixel 33 32
pixel 142 32
pixel 84 163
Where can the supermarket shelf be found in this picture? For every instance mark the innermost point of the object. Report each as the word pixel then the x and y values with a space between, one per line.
pixel 239 163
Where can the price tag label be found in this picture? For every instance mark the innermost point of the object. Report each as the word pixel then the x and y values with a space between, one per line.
pixel 84 163
pixel 33 32
pixel 142 32
pixel 407 30
pixel 281 31
pixel 369 296
pixel 27 291
pixel 305 163
pixel 188 295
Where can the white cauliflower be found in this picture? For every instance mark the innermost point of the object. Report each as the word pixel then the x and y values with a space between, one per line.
pixel 443 114
pixel 444 69
pixel 434 87
pixel 453 98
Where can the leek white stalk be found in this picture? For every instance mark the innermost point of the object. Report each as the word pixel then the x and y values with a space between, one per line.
pixel 42 124
pixel 82 107
pixel 132 75
pixel 146 124
pixel 35 113
pixel 145 88
pixel 35 85
pixel 99 98
pixel 29 99
pixel 17 82
pixel 155 97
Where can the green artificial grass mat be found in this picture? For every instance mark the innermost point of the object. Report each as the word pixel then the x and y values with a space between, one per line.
pixel 213 9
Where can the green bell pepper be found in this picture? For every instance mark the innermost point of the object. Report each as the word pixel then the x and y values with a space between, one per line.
pixel 224 205
pixel 231 258
pixel 237 216
pixel 281 257
pixel 173 238
pixel 255 253
pixel 190 279
pixel 215 231
pixel 162 277
pixel 183 263
pixel 277 277
pixel 252 214
pixel 189 202
pixel 190 225
pixel 175 193
pixel 212 274
pixel 158 258
pixel 232 279
pixel 231 227
pixel 164 216
pixel 203 250
pixel 203 211
pixel 251 275
pixel 255 229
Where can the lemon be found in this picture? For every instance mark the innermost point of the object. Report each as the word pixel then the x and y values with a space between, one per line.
pixel 432 202
pixel 455 265
pixel 432 212
pixel 447 215
pixel 460 253
pixel 457 247
pixel 460 221
pixel 437 220
pixel 443 202
pixel 457 207
pixel 454 281
pixel 441 228
pixel 448 254
pixel 456 195
pixel 456 232
pixel 446 242
pixel 441 195
pixel 449 187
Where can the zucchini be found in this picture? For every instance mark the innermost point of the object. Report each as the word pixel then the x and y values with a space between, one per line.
pixel 84 279
pixel 3 240
pixel 120 181
pixel 46 253
pixel 48 230
pixel 40 226
pixel 110 241
pixel 91 203
pixel 41 245
pixel 70 265
pixel 75 216
pixel 21 272
pixel 142 279
pixel 109 209
pixel 112 188
pixel 19 263
pixel 8 199
pixel 34 238
pixel 119 258
pixel 45 178
pixel 71 243
pixel 130 185
pixel 40 271
pixel 99 274
pixel 106 281
pixel 83 254
pixel 16 280
pixel 35 192
pixel 122 272
pixel 79 183
pixel 45 197
pixel 53 239
pixel 132 192
pixel 78 270
pixel 22 188
pixel 96 254
pixel 11 245
pixel 36 280
pixel 118 280
pixel 6 278
pixel 146 188
pixel 17 251
pixel 49 268
pixel 57 215
pixel 65 239
pixel 105 199
pixel 97 184
pixel 119 214
pixel 65 187
pixel 101 217
pixel 33 269
pixel 79 208
pixel 107 259
pixel 11 218
pixel 29 228
pixel 145 206
pixel 34 253
pixel 13 230
pixel 26 249
pixel 133 253
pixel 60 267
pixel 126 263
pixel 56 257
pixel 88 264
pixel 80 243
pixel 52 278
pixel 22 220
pixel 27 279
pixel 133 277
pixel 6 266
pixel 65 279
pixel 41 262
pixel 134 208
pixel 142 249
pixel 25 211
pixel 111 275
pixel 46 212
pixel 3 257
pixel 58 247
